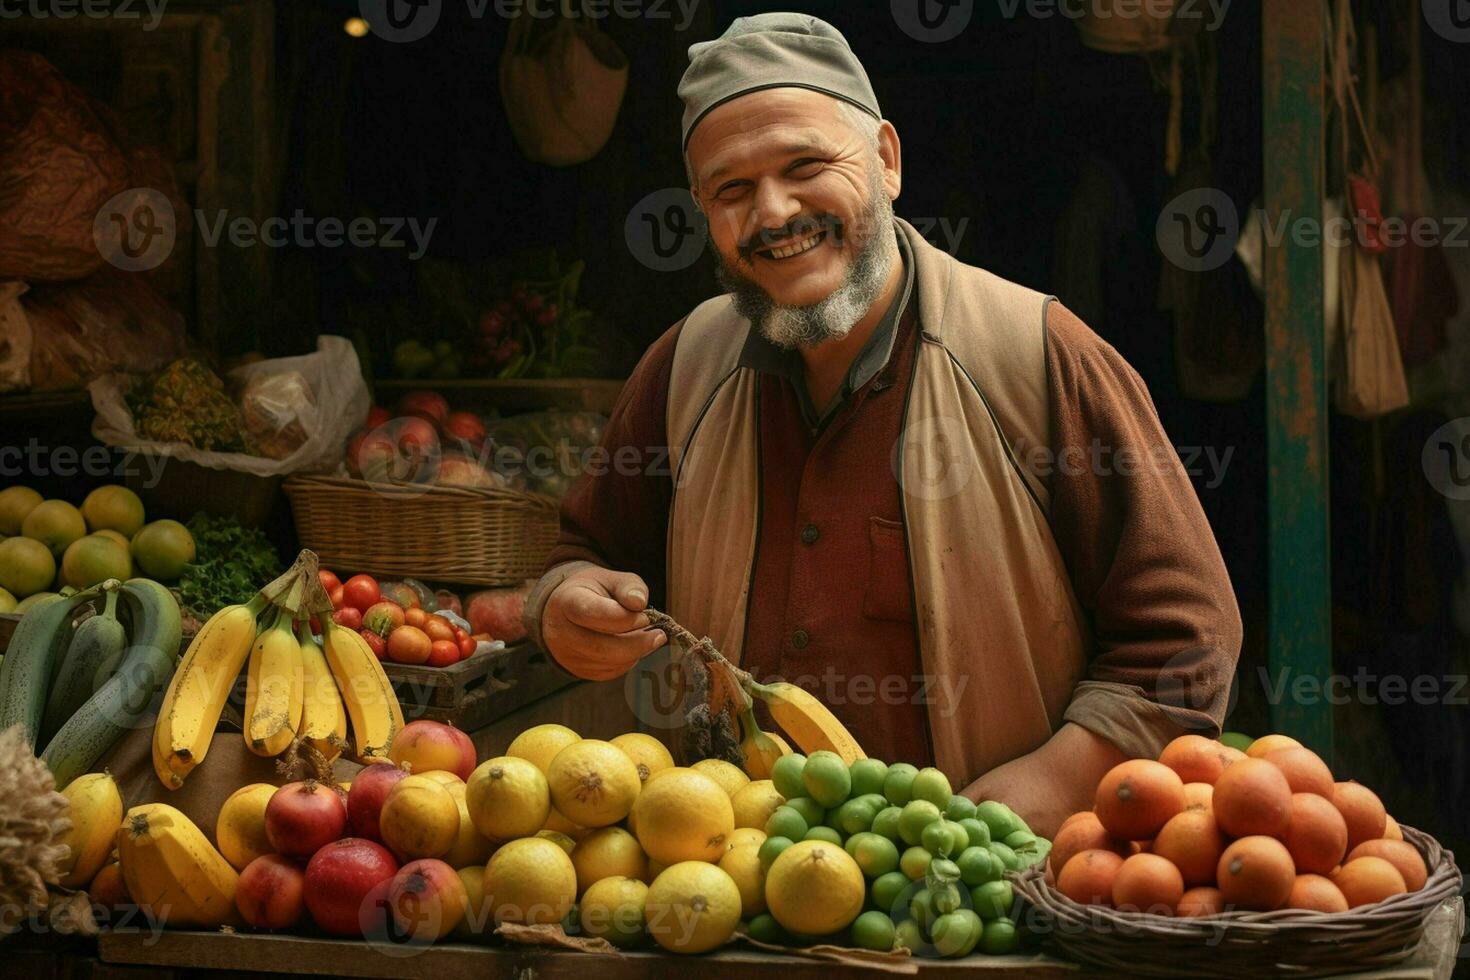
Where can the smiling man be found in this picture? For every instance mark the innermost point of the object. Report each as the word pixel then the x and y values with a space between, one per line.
pixel 931 496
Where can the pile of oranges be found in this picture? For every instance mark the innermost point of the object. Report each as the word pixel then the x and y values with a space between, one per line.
pixel 1208 828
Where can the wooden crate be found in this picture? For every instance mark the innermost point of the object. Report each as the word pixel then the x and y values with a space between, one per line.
pixel 475 692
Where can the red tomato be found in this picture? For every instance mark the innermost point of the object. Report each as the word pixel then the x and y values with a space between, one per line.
pixel 383 617
pixel 348 617
pixel 443 653
pixel 329 581
pixel 375 643
pixel 466 643
pixel 438 628
pixel 409 645
pixel 415 617
pixel 336 596
pixel 360 592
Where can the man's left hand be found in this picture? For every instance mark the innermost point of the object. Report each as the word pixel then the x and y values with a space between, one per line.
pixel 1053 782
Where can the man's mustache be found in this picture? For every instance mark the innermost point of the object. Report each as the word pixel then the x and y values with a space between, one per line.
pixel 798 228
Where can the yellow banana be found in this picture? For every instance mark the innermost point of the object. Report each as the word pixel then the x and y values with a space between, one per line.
pixel 273 690
pixel 96 810
pixel 366 692
pixel 197 693
pixel 760 749
pixel 807 720
pixel 323 719
pixel 172 871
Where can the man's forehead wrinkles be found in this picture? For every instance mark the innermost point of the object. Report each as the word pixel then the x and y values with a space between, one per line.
pixel 798 144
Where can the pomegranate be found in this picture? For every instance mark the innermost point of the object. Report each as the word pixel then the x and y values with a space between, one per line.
pixel 427 900
pixel 346 885
pixel 466 427
pixel 365 800
pixel 425 745
pixel 270 893
pixel 377 416
pixel 303 817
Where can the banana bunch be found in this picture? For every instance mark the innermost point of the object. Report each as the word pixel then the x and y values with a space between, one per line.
pixel 808 721
pixel 293 688
pixel 172 871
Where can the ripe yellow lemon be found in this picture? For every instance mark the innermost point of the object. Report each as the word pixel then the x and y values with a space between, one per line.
pixel 556 822
pixel 729 777
pixel 239 830
pixel 507 798
pixel 647 753
pixel 113 508
pixel 449 779
pixel 593 783
pixel 54 523
pixel 746 835
pixel 743 865
pixel 470 847
pixel 684 816
pixel 541 744
pixel 608 852
pixel 692 907
pixel 476 920
pixel 815 887
pixel 612 909
pixel 530 880
pixel 420 819
pixel 559 839
pixel 754 803
pixel 15 503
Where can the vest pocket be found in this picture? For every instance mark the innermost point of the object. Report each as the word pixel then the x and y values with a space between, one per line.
pixel 887 595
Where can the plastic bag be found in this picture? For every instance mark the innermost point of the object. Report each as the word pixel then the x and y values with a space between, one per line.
pixel 15 339
pixel 280 413
pixel 341 399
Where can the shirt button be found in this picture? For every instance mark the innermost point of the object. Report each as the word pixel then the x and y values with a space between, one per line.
pixel 799 639
pixel 809 534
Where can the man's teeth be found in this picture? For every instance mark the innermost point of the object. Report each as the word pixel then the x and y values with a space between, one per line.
pixel 787 251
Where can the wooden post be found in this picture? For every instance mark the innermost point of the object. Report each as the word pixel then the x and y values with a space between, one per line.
pixel 1294 37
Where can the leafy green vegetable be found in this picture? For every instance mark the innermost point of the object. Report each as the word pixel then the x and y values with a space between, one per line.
pixel 230 565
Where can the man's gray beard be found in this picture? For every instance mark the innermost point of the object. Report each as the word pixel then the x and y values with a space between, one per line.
pixel 794 327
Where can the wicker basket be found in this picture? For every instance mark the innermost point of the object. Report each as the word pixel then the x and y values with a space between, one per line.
pixel 465 535
pixel 1244 944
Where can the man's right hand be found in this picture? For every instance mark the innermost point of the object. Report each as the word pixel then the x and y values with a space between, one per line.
pixel 594 624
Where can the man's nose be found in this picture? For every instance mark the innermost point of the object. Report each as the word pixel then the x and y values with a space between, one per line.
pixel 775 206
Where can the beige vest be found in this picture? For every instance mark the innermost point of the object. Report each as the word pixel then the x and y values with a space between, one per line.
pixel 1002 639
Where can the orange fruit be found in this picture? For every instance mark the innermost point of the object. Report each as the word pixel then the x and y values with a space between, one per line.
pixel 1138 797
pixel 1147 883
pixel 1401 854
pixel 1199 796
pixel 1363 811
pixel 1252 797
pixel 1082 832
pixel 1316 893
pixel 1391 829
pixel 1267 744
pixel 1255 873
pixel 1316 834
pixel 1087 877
pixel 1366 880
pixel 1192 842
pixel 1198 759
pixel 1204 900
pixel 1304 770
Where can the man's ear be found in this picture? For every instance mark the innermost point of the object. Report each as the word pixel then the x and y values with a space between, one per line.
pixel 891 152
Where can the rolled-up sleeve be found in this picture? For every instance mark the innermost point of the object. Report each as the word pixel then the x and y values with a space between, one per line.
pixel 1142 556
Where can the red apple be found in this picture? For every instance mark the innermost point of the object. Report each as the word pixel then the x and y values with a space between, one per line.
pixel 338 599
pixel 365 799
pixel 383 617
pixel 457 469
pixel 303 817
pixel 443 653
pixel 372 455
pixel 341 879
pixel 378 416
pixel 348 617
pixel 409 645
pixel 271 893
pixel 427 900
pixel 428 745
pixel 375 643
pixel 428 405
pixel 466 427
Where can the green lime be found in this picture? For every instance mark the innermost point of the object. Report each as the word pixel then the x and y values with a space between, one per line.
pixel 921 908
pixel 944 869
pixel 850 845
pixel 956 933
pixel 1020 840
pixel 772 848
pixel 876 855
pixel 786 774
pixel 945 837
pixel 1236 740
pixel 999 937
pixel 877 801
pixel 959 808
pixel 978 830
pixel 977 866
pixel 945 896
pixel 855 816
pixel 826 778
pixel 873 930
pixel 887 890
pixel 886 822
pixel 992 900
pixel 1000 818
pixel 910 935
pixel 932 785
pixel 1008 857
pixel 784 821
pixel 1038 854
pixel 916 815
pixel 868 776
pixel 765 929
pixel 810 810
pixel 898 784
pixel 823 833
pixel 915 862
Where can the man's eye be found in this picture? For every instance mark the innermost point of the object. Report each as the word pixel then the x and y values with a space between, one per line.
pixel 732 189
pixel 805 167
